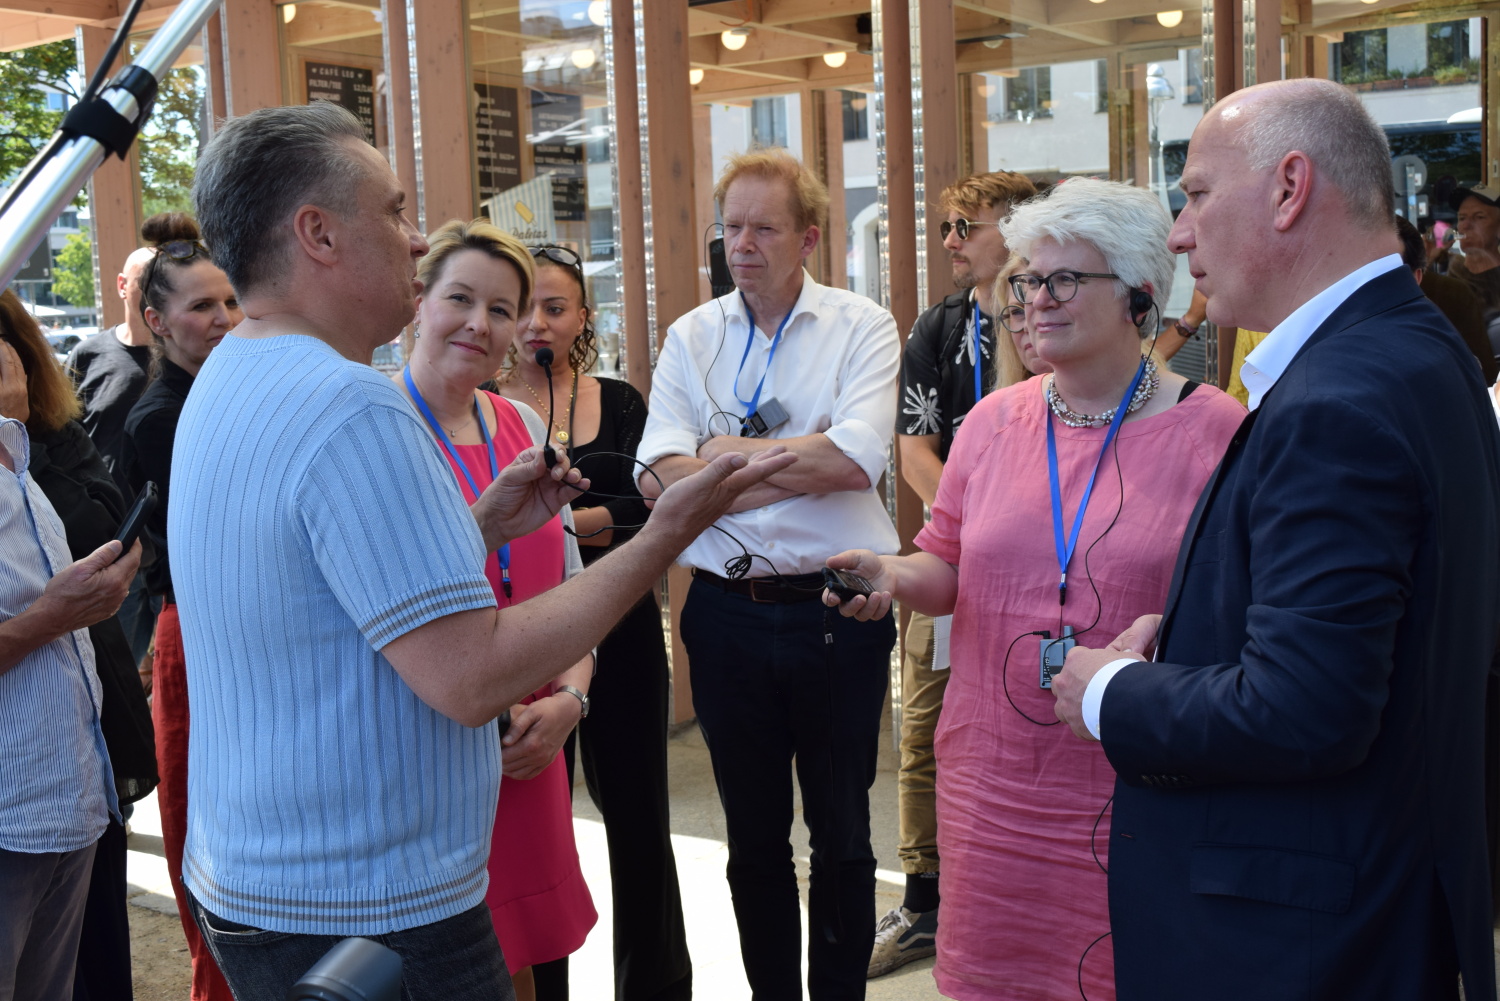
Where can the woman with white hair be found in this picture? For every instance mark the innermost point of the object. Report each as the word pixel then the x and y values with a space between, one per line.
pixel 1058 516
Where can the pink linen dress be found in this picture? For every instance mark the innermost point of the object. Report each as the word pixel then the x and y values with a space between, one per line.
pixel 538 900
pixel 1022 807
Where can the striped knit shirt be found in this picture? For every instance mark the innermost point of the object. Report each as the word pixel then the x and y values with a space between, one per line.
pixel 312 521
pixel 56 788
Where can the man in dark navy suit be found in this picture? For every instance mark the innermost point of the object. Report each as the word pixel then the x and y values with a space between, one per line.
pixel 1299 812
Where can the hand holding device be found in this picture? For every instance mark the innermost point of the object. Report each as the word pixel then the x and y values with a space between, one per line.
pixel 858 585
pixel 135 520
pixel 845 585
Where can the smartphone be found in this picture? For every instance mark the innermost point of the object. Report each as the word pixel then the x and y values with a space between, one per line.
pixel 145 505
pixel 845 585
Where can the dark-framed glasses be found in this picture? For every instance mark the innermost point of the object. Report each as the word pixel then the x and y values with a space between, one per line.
pixel 1013 318
pixel 961 226
pixel 558 255
pixel 1061 285
pixel 178 250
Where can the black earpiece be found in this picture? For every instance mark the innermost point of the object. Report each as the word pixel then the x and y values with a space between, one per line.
pixel 1140 304
pixel 544 358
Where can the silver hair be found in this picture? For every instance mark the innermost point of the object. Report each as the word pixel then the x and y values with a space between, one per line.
pixel 1124 223
pixel 1326 121
pixel 258 169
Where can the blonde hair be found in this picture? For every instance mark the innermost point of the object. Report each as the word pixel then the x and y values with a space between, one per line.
pixel 1009 369
pixel 984 191
pixel 809 196
pixel 454 237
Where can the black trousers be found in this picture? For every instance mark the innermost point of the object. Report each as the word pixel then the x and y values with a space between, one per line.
pixel 103 972
pixel 775 684
pixel 625 765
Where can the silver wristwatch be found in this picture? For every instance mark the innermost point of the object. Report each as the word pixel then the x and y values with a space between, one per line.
pixel 582 698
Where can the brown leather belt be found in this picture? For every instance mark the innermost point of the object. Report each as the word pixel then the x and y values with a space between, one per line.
pixel 771 590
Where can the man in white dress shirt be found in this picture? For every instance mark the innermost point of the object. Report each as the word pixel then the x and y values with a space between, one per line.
pixel 776 676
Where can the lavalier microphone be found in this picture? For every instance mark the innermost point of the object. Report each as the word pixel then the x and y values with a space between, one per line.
pixel 544 358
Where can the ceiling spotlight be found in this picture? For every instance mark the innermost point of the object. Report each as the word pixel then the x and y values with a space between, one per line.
pixel 859 103
pixel 833 60
pixel 1009 74
pixel 583 58
pixel 596 12
pixel 695 76
pixel 288 13
pixel 1169 18
pixel 735 38
pixel 986 90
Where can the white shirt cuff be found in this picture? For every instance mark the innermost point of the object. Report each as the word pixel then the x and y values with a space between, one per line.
pixel 1093 695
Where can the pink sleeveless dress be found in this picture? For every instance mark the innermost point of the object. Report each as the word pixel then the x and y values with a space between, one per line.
pixel 537 896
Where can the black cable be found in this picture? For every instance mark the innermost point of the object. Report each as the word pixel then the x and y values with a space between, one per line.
pixel 1086 952
pixel 1005 671
pixel 1094 836
pixel 723 336
pixel 90 93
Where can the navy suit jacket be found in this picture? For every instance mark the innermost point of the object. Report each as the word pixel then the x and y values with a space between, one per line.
pixel 1299 812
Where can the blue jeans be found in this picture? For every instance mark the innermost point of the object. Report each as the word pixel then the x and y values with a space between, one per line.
pixel 456 959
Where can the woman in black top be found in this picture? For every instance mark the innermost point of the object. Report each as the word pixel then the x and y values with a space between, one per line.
pixel 65 464
pixel 599 422
pixel 189 306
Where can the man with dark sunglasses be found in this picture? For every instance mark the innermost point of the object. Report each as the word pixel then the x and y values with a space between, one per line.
pixel 948 364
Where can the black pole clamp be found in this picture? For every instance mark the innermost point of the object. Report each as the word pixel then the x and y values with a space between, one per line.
pixel 96 119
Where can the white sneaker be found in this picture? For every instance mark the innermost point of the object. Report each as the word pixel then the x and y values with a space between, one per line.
pixel 902 937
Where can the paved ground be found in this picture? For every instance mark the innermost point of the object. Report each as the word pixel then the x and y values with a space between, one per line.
pixel 161 962
pixel 160 956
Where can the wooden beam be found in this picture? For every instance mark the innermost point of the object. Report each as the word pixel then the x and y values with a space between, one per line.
pixel 114 198
pixel 77 11
pixel 22 31
pixel 322 25
pixel 836 233
pixel 249 46
pixel 940 134
pixel 443 121
pixel 627 157
pixel 400 125
pixel 213 69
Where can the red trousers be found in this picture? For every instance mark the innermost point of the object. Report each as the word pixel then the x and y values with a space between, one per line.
pixel 169 713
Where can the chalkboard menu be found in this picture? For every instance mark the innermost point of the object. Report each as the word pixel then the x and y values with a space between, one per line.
pixel 554 119
pixel 347 86
pixel 497 139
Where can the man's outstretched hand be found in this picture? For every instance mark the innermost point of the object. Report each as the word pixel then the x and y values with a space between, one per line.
pixel 525 496
pixel 689 506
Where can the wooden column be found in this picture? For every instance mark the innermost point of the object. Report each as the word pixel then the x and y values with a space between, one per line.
pixel 674 229
pixel 1138 136
pixel 815 158
pixel 1489 87
pixel 704 176
pixel 213 69
pixel 836 233
pixel 1227 50
pixel 1267 40
pixel 252 63
pixel 675 236
pixel 901 213
pixel 114 198
pixel 630 255
pixel 977 124
pixel 444 115
pixel 399 121
pixel 940 134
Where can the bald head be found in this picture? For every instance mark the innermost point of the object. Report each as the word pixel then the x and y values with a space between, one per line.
pixel 1326 122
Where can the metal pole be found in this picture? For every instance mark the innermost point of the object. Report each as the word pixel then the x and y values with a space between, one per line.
pixel 24 225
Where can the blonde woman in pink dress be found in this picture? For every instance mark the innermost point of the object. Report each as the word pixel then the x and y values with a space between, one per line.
pixel 1023 810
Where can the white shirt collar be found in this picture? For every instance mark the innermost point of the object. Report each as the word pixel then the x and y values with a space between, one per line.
pixel 808 301
pixel 14 440
pixel 1269 360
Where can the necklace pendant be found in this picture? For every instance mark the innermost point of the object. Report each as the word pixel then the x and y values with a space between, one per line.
pixel 562 437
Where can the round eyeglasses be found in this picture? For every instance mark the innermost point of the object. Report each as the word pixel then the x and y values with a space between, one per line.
pixel 961 226
pixel 1061 285
pixel 1013 318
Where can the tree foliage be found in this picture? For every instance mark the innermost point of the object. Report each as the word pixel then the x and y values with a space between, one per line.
pixel 73 271
pixel 26 77
pixel 169 143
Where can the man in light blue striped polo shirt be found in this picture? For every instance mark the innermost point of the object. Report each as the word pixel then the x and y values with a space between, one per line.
pixel 345 656
pixel 56 788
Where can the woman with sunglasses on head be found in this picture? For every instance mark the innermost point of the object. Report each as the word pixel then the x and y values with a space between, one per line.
pixel 189 306
pixel 476 283
pixel 71 474
pixel 1058 515
pixel 624 740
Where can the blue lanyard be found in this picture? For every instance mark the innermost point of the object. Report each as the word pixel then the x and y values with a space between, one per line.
pixel 753 404
pixel 442 437
pixel 978 349
pixel 1065 547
